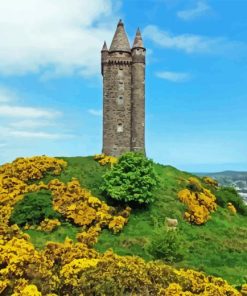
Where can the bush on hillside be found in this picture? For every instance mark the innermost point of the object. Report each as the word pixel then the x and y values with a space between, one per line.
pixel 132 179
pixel 194 185
pixel 210 181
pixel 34 208
pixel 166 245
pixel 225 195
pixel 199 200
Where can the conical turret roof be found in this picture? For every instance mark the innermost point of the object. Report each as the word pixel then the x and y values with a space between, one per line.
pixel 104 48
pixel 120 40
pixel 138 42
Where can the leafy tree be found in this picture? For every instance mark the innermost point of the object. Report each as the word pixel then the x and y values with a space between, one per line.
pixel 33 209
pixel 132 179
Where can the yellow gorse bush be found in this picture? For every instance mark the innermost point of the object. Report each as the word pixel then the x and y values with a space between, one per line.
pixel 78 204
pixel 210 181
pixel 110 274
pixel 173 290
pixel 15 178
pixel 69 266
pixel 29 290
pixel 32 168
pixel 89 237
pixel 200 202
pixel 231 208
pixel 49 225
pixel 64 253
pixel 75 267
pixel 20 260
pixel 69 272
pixel 117 223
pixel 244 290
pixel 4 284
pixel 103 159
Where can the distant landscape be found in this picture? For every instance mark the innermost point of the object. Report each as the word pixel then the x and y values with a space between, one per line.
pixel 238 180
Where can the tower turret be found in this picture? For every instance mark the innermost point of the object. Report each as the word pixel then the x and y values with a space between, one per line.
pixel 104 56
pixel 117 95
pixel 138 53
pixel 138 42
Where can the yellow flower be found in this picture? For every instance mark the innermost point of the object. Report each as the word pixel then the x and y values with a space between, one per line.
pixel 49 225
pixel 117 223
pixel 210 181
pixel 231 208
pixel 244 290
pixel 200 202
pixel 71 271
pixel 3 285
pixel 29 290
pixel 104 159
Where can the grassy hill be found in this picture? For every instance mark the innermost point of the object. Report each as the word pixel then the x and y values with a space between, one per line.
pixel 219 247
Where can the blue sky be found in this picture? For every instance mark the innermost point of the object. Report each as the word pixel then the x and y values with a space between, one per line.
pixel 196 78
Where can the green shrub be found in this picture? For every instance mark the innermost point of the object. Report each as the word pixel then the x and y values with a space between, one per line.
pixel 166 245
pixel 224 195
pixel 131 179
pixel 33 209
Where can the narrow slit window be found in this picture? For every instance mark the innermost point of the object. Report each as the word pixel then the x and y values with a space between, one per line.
pixel 120 128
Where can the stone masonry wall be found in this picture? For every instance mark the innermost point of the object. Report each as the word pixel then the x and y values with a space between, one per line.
pixel 117 105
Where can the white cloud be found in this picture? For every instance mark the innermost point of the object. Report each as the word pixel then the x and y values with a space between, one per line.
pixel 6 95
pixel 54 37
pixel 40 135
pixel 9 133
pixel 190 43
pixel 26 112
pixel 174 76
pixel 95 112
pixel 30 123
pixel 190 14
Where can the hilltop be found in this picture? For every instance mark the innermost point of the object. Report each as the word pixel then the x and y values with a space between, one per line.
pixel 57 227
pixel 219 247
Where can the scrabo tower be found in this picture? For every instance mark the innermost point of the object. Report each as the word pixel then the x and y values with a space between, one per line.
pixel 123 70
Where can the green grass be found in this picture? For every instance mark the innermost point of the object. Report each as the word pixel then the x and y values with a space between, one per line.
pixel 86 170
pixel 219 247
pixel 40 238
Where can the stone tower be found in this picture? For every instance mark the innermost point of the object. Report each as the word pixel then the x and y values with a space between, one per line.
pixel 123 71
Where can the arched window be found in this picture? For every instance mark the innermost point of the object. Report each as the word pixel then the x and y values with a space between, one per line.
pixel 120 100
pixel 120 73
pixel 120 127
